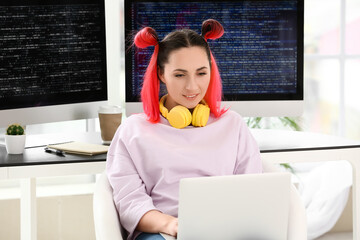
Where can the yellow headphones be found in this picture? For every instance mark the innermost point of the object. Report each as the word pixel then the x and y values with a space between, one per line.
pixel 180 116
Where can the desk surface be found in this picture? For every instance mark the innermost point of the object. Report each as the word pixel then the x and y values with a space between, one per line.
pixel 34 153
pixel 37 156
pixel 268 140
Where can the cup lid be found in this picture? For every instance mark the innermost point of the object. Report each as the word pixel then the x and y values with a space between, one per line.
pixel 110 109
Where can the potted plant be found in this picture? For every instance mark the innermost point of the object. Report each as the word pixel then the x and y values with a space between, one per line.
pixel 15 139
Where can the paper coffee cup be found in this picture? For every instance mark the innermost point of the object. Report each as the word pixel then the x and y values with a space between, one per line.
pixel 110 120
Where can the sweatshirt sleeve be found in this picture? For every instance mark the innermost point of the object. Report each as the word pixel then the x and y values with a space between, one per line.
pixel 248 155
pixel 129 192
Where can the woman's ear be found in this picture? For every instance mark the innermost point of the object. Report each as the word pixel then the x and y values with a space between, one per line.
pixel 161 75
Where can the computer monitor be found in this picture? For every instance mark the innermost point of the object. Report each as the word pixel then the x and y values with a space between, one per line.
pixel 260 56
pixel 53 60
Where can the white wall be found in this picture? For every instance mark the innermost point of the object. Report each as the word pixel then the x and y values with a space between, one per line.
pixel 115 51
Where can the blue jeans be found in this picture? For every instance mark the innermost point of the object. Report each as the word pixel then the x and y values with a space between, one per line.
pixel 150 236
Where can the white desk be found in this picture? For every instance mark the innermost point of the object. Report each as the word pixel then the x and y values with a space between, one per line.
pixel 291 147
pixel 277 146
pixel 36 163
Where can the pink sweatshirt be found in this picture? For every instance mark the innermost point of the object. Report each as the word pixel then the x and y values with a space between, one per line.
pixel 146 161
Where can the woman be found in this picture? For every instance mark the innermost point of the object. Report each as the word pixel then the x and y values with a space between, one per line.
pixel 187 134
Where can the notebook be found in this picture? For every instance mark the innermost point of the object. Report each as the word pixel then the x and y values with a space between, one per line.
pixel 237 207
pixel 80 148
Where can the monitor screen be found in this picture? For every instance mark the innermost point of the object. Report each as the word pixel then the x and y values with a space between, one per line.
pixel 52 52
pixel 260 55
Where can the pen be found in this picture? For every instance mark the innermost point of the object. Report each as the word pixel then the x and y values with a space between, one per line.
pixel 57 152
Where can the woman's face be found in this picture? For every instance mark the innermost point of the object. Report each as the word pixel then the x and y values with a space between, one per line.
pixel 186 76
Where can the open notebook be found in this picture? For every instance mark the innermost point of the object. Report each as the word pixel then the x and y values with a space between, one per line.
pixel 80 148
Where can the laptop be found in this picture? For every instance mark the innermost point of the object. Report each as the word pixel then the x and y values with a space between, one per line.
pixel 236 207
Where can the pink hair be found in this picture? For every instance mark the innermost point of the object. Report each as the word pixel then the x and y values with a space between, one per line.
pixel 214 92
pixel 151 85
pixel 150 89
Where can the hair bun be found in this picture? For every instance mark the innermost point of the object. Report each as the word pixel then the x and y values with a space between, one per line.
pixel 146 37
pixel 212 29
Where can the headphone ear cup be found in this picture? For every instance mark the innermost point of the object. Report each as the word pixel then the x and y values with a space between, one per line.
pixel 162 108
pixel 179 117
pixel 200 115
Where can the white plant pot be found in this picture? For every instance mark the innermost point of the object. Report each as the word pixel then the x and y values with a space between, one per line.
pixel 15 144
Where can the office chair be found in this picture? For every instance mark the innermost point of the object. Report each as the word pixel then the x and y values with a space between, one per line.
pixel 107 224
pixel 106 220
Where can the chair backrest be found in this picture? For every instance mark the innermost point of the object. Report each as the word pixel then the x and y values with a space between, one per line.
pixel 297 215
pixel 106 219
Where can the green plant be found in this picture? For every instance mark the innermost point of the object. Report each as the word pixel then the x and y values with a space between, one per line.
pixel 260 122
pixel 15 129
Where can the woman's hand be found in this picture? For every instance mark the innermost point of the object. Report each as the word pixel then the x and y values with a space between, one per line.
pixel 171 227
pixel 156 222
